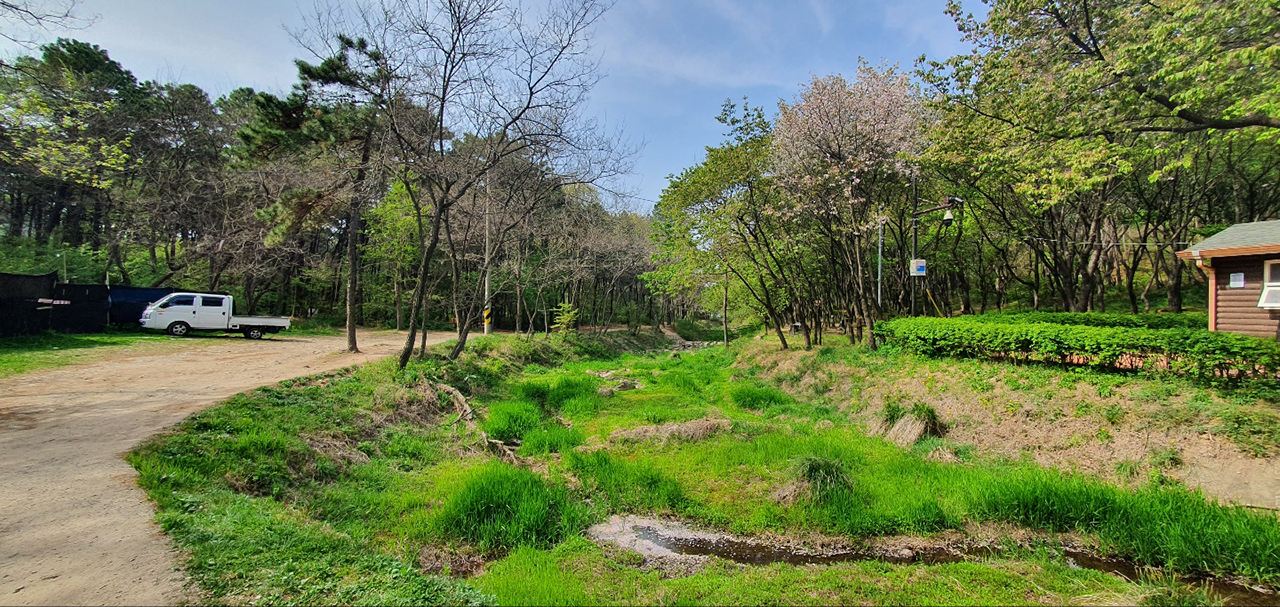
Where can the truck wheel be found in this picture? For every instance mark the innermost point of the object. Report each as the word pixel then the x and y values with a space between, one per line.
pixel 178 329
pixel 253 333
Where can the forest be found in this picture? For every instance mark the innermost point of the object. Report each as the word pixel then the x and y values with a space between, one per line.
pixel 433 160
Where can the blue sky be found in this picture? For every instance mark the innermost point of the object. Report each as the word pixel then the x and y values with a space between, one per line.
pixel 669 64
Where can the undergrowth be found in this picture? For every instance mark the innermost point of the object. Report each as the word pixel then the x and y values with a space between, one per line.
pixel 324 488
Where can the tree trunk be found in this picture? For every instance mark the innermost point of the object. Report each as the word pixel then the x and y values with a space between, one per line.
pixel 353 273
pixel 724 311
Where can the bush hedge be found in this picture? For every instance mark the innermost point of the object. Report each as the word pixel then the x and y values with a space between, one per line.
pixel 1184 320
pixel 1198 352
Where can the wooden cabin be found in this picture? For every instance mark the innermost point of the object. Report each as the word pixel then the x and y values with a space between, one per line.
pixel 1243 265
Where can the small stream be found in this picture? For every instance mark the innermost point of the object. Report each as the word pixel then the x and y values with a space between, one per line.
pixel 658 537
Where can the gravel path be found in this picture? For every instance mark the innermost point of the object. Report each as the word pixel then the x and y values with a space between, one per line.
pixel 75 529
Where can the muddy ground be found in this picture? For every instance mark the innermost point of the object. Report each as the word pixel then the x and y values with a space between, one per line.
pixel 75 529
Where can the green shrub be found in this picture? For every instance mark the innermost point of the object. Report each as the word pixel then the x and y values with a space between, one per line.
pixel 512 419
pixel 501 507
pixel 694 330
pixel 1211 356
pixel 1184 320
pixel 627 486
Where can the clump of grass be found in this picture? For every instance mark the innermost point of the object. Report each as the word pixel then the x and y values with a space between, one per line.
pixel 1128 469
pixel 1257 432
pixel 1165 590
pixel 929 417
pixel 535 391
pixel 891 413
pixel 512 419
pixel 569 388
pixel 1167 458
pixel 627 486
pixel 822 473
pixel 582 406
pixel 552 438
pixel 1113 414
pixel 1157 524
pixel 500 507
pixel 769 401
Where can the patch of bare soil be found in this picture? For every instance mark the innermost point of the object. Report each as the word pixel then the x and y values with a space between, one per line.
pixel 456 562
pixel 1050 428
pixel 692 431
pixel 76 528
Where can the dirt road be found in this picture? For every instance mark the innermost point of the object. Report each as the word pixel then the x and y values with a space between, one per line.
pixel 75 529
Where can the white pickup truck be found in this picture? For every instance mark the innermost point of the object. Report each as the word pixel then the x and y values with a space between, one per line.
pixel 181 313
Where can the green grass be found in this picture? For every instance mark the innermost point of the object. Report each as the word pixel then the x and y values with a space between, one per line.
pixel 51 350
pixel 500 508
pixel 511 420
pixel 627 486
pixel 354 471
pixel 578 572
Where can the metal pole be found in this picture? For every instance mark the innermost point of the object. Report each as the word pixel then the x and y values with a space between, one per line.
pixel 488 269
pixel 915 221
pixel 880 265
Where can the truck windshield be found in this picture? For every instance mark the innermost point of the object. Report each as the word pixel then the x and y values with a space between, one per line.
pixel 180 300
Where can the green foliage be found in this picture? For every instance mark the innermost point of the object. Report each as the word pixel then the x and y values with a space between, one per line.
pixel 566 316
pixel 929 417
pixel 1113 414
pixel 891 413
pixel 1168 591
pixel 500 507
pixel 1184 320
pixel 1257 431
pixel 1205 355
pixel 822 473
pixel 696 330
pixel 1166 458
pixel 758 398
pixel 551 438
pixel 512 419
pixel 626 486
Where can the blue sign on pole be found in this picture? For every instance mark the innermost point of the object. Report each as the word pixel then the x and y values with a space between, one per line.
pixel 918 267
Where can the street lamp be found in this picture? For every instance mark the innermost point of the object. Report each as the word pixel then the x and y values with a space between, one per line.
pixel 948 218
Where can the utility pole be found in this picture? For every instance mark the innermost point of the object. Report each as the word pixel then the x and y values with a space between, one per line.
pixel 488 266
pixel 880 265
pixel 915 221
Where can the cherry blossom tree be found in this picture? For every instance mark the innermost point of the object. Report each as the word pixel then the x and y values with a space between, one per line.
pixel 841 151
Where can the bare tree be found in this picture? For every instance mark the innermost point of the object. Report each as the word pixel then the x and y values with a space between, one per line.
pixel 517 79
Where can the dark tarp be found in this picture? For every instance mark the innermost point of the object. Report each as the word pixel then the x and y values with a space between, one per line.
pixel 23 317
pixel 21 311
pixel 86 309
pixel 27 286
pixel 127 303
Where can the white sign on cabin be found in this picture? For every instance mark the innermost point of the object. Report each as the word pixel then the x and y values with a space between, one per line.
pixel 1237 280
pixel 918 267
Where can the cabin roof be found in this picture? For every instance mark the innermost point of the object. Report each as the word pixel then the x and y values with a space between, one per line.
pixel 1256 238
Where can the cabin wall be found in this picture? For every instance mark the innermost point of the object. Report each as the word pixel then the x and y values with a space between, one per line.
pixel 1237 309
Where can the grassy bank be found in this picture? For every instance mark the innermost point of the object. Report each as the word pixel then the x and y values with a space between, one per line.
pixel 51 350
pixel 371 474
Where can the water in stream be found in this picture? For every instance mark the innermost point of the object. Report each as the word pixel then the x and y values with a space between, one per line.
pixel 754 553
